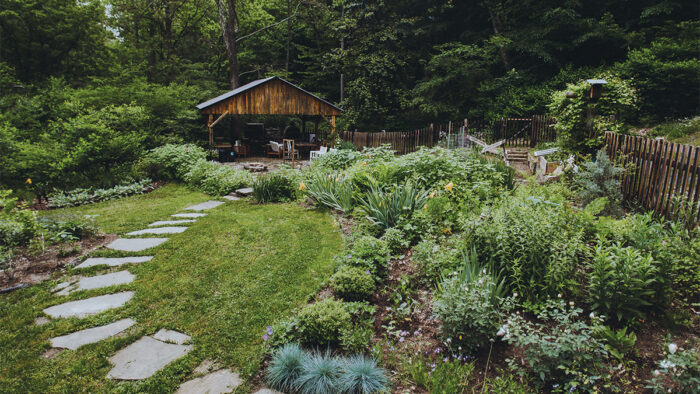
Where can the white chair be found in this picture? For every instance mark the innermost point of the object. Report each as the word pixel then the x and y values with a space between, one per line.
pixel 315 154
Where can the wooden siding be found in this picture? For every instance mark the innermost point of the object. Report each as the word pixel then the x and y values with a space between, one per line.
pixel 274 97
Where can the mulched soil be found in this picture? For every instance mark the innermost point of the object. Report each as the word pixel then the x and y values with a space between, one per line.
pixel 29 269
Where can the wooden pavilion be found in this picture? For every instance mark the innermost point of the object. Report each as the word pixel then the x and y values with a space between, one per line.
pixel 269 96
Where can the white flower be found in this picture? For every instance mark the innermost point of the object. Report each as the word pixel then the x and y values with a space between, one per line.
pixel 592 315
pixel 665 364
pixel 672 347
pixel 571 303
pixel 656 372
pixel 502 331
pixel 559 295
pixel 515 295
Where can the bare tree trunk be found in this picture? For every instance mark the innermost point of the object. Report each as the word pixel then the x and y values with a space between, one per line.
pixel 289 38
pixel 229 29
pixel 497 24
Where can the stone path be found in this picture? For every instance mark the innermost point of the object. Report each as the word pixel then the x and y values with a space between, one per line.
pixel 159 230
pixel 135 244
pixel 91 335
pixel 113 261
pixel 204 206
pixel 148 354
pixel 171 222
pixel 89 306
pixel 95 282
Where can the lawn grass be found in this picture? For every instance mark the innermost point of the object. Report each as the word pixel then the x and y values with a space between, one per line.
pixel 226 278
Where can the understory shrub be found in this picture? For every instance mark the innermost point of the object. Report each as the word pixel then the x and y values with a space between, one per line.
pixel 323 322
pixel 621 283
pixel 600 178
pixel 171 162
pixel 678 372
pixel 434 260
pixel 77 197
pixel 352 283
pixel 274 187
pixel 534 243
pixel 216 179
pixel 396 240
pixel 369 253
pixel 559 350
pixel 468 305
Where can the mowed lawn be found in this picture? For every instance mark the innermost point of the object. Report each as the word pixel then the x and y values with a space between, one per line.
pixel 222 281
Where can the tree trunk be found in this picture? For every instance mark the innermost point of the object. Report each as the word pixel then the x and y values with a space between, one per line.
pixel 229 30
pixel 497 24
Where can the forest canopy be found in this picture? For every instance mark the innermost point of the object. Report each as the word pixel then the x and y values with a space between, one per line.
pixel 77 76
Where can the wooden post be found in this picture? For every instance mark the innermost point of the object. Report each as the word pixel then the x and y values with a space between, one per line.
pixel 332 130
pixel 211 133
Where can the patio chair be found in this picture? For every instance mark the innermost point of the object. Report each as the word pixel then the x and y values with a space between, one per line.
pixel 289 152
pixel 274 149
pixel 315 154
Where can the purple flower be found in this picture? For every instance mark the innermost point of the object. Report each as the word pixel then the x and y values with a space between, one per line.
pixel 367 272
pixel 349 256
pixel 269 330
pixel 401 339
pixel 266 337
pixel 444 360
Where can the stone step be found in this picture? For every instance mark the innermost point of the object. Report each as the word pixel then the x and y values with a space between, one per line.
pixel 204 206
pixel 159 230
pixel 189 215
pixel 89 306
pixel 245 192
pixel 171 222
pixel 95 282
pixel 231 198
pixel 221 381
pixel 135 244
pixel 114 261
pixel 145 357
pixel 91 335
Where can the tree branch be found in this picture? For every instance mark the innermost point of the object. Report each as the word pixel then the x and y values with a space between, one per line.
pixel 272 25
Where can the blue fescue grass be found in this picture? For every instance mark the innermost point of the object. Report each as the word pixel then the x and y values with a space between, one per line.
pixel 285 368
pixel 361 375
pixel 320 374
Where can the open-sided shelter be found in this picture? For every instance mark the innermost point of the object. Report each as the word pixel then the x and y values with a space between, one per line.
pixel 268 96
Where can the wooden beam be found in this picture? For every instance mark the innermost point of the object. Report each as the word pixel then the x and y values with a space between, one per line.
pixel 211 132
pixel 217 120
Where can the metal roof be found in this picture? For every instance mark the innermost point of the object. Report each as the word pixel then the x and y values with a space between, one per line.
pixel 253 84
pixel 597 81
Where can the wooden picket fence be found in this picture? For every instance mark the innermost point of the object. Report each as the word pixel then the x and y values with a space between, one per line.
pixel 664 176
pixel 515 132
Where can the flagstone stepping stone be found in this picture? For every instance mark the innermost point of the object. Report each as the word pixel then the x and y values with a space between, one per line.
pixel 135 244
pixel 221 381
pixel 189 215
pixel 143 358
pixel 96 282
pixel 246 191
pixel 204 206
pixel 91 335
pixel 265 390
pixel 171 336
pixel 170 222
pixel 114 261
pixel 89 306
pixel 232 198
pixel 159 230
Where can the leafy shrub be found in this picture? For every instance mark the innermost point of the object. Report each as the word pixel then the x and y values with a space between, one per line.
pixel 434 260
pixel 285 367
pixel 77 227
pixel 369 253
pixel 322 323
pixel 600 179
pixel 619 343
pixel 356 339
pixel 534 243
pixel 396 240
pixel 385 208
pixel 441 376
pixel 352 283
pixel 320 374
pixel 618 99
pixel 560 349
pixel 329 190
pixel 468 305
pixel 77 197
pixel 678 372
pixel 338 160
pixel 621 283
pixel 361 375
pixel 274 187
pixel 171 162
pixel 217 179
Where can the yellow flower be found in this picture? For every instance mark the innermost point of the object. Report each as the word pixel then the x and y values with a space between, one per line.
pixel 380 205
pixel 447 231
pixel 432 195
pixel 425 207
pixel 302 186
pixel 29 181
pixel 460 337
pixel 449 186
